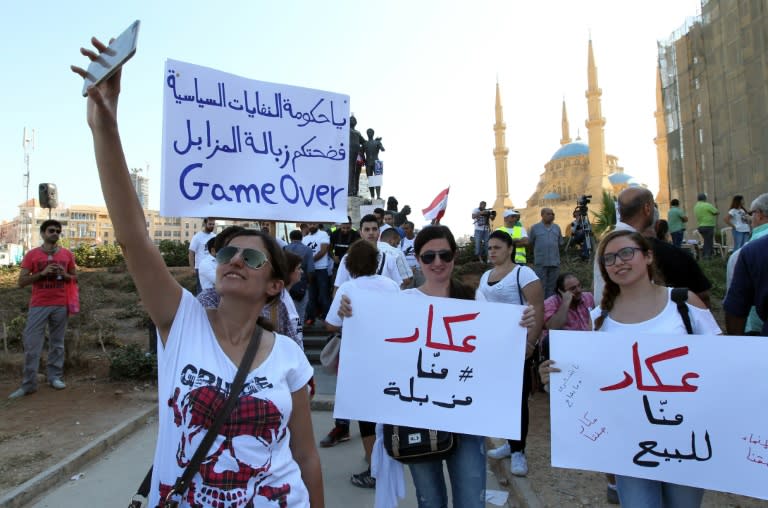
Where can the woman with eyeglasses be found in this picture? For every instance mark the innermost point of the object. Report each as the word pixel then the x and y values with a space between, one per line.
pixel 264 453
pixel 508 282
pixel 435 249
pixel 632 303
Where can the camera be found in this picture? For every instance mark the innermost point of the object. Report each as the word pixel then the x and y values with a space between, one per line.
pixel 489 214
pixel 581 204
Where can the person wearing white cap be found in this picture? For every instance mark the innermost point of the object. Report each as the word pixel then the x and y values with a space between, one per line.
pixel 517 232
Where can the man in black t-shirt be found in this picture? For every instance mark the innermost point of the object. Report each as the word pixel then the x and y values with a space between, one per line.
pixel 341 238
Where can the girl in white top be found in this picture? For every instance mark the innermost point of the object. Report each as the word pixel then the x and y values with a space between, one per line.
pixel 207 269
pixel 632 302
pixel 508 282
pixel 264 454
pixel 738 218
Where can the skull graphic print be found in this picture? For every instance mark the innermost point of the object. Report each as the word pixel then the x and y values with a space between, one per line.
pixel 237 467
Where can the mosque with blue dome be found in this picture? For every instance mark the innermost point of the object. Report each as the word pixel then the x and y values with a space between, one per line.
pixel 576 167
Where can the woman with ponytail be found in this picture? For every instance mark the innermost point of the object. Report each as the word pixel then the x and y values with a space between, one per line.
pixel 632 303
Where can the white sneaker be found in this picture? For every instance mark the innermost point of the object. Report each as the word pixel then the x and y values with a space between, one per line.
pixel 500 452
pixel 518 464
pixel 58 384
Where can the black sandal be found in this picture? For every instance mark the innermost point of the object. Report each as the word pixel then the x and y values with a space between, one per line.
pixel 364 480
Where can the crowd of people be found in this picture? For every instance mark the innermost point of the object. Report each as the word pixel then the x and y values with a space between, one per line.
pixel 253 291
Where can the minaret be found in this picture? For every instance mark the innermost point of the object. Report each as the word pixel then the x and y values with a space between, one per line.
pixel 566 131
pixel 500 153
pixel 662 198
pixel 598 167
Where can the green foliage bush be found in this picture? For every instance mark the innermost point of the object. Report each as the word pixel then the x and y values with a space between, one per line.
pixel 94 256
pixel 131 362
pixel 15 329
pixel 175 253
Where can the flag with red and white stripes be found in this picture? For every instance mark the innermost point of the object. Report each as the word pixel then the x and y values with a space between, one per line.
pixel 435 211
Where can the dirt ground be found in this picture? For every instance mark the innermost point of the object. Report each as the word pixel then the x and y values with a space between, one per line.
pixel 39 430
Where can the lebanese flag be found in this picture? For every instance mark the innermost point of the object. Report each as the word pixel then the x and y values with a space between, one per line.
pixel 435 211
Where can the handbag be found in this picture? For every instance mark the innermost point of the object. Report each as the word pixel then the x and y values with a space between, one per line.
pixel 73 298
pixel 182 482
pixel 329 356
pixel 410 444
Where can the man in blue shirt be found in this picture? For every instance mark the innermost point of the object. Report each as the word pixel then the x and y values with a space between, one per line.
pixel 749 287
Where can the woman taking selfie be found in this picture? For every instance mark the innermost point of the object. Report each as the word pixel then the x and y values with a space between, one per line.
pixel 264 452
pixel 632 303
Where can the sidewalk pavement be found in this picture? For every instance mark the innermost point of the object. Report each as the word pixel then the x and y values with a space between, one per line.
pixel 118 468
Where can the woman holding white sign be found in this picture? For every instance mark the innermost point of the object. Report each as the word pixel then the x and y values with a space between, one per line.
pixel 263 453
pixel 435 249
pixel 632 303
pixel 508 282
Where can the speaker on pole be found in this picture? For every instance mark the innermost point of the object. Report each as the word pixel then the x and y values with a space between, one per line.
pixel 49 197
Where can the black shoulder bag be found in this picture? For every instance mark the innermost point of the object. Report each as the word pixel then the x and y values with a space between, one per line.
pixel 182 482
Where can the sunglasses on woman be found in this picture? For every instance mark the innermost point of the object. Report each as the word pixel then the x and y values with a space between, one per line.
pixel 429 256
pixel 624 254
pixel 253 258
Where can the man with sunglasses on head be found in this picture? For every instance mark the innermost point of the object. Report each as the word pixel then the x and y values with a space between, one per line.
pixel 49 269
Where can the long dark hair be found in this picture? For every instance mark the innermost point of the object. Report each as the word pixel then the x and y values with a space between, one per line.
pixel 611 290
pixel 737 202
pixel 456 289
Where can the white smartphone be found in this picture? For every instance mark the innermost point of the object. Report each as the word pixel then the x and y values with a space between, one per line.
pixel 118 52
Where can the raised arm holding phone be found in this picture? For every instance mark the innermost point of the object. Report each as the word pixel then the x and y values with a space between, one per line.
pixel 274 455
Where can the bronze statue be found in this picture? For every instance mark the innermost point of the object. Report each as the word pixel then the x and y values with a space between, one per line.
pixel 356 142
pixel 372 148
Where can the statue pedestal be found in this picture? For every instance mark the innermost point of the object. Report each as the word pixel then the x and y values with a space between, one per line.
pixel 353 209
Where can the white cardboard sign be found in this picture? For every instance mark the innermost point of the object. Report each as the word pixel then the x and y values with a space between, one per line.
pixel 240 148
pixel 682 409
pixel 437 363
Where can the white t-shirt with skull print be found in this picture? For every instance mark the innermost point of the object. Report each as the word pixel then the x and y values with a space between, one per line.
pixel 250 462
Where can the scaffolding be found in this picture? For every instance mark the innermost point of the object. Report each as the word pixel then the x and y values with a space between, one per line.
pixel 713 77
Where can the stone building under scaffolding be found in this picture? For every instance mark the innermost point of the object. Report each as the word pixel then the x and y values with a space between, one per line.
pixel 714 87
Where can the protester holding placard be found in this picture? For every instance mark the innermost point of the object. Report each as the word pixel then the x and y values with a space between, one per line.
pixel 508 282
pixel 362 263
pixel 435 248
pixel 270 452
pixel 632 303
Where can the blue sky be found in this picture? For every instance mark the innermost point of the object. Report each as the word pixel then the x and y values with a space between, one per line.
pixel 422 74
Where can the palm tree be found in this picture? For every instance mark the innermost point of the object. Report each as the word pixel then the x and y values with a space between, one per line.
pixel 605 219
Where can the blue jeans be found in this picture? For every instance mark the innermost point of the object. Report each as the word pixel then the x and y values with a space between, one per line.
pixel 642 493
pixel 739 239
pixel 55 317
pixel 677 237
pixel 319 295
pixel 466 468
pixel 481 242
pixel 708 235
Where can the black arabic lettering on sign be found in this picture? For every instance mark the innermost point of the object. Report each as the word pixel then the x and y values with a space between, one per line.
pixel 276 106
pixel 649 447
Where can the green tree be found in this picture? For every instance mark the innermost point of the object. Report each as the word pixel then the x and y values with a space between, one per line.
pixel 605 217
